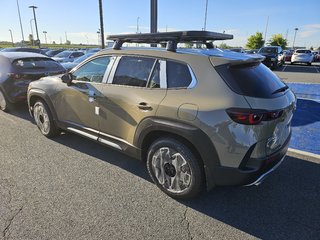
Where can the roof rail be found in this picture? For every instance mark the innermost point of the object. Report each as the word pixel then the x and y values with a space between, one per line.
pixel 170 38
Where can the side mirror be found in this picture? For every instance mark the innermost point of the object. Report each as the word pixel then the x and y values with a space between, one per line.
pixel 67 78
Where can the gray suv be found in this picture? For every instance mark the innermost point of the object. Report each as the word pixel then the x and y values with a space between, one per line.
pixel 199 118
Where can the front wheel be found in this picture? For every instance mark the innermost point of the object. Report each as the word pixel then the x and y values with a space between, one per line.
pixel 44 120
pixel 174 169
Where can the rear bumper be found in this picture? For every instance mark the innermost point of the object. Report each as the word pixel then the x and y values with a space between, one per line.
pixel 255 170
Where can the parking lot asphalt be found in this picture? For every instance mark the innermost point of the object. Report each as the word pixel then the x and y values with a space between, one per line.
pixel 73 188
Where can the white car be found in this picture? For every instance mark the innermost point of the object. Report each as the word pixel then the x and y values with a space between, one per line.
pixel 302 56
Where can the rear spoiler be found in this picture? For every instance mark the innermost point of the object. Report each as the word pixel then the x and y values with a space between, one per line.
pixel 238 59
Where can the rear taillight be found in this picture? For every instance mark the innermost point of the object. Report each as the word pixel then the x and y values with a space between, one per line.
pixel 251 116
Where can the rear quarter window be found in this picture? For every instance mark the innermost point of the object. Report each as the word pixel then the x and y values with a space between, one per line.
pixel 37 64
pixel 178 75
pixel 254 80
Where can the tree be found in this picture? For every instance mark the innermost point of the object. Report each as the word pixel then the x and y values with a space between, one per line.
pixel 31 39
pixel 224 46
pixel 255 41
pixel 278 40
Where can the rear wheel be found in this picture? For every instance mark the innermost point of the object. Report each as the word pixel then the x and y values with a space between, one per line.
pixel 44 120
pixel 174 168
pixel 4 103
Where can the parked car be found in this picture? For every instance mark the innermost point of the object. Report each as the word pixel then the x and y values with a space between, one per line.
pixel 302 56
pixel 69 65
pixel 67 56
pixel 23 49
pixel 197 117
pixel 316 56
pixel 287 54
pixel 273 56
pixel 17 70
pixel 53 52
pixel 251 51
pixel 239 50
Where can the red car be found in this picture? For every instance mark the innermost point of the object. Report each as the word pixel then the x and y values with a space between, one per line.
pixel 287 55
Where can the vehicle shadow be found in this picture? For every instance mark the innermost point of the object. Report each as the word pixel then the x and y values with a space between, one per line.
pixel 307 112
pixel 285 206
pixel 21 110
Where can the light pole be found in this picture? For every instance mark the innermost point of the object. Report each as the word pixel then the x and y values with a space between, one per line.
pixel 138 18
pixel 205 16
pixel 31 31
pixel 11 37
pixel 294 39
pixel 20 21
pixel 45 35
pixel 101 24
pixel 153 18
pixel 98 32
pixel 35 22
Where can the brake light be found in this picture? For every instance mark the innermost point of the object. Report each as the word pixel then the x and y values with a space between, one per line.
pixel 252 117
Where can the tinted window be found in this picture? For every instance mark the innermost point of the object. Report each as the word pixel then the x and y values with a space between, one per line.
pixel 268 50
pixel 133 71
pixel 36 64
pixel 178 75
pixel 254 80
pixel 92 71
pixel 303 51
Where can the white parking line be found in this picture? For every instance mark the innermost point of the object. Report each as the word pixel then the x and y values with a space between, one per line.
pixel 285 66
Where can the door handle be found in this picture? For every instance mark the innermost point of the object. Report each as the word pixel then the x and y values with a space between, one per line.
pixel 144 106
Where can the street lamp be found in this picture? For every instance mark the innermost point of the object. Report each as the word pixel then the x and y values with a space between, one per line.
pixel 205 16
pixel 20 21
pixel 138 18
pixel 45 35
pixel 294 39
pixel 11 37
pixel 31 31
pixel 35 21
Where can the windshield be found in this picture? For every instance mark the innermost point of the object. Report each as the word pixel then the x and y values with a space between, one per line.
pixel 63 54
pixel 268 50
pixel 303 51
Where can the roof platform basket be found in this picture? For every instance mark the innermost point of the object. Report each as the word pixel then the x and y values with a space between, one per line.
pixel 171 39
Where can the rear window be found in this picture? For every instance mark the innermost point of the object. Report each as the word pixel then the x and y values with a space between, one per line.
pixel 36 64
pixel 254 80
pixel 303 51
pixel 268 50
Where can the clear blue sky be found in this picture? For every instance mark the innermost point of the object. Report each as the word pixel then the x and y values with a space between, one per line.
pixel 242 18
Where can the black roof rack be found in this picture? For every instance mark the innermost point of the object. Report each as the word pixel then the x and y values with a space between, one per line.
pixel 171 38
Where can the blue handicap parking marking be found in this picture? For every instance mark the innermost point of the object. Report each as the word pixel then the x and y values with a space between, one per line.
pixel 306 119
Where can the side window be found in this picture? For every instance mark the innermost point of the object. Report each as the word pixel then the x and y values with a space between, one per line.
pixel 133 71
pixel 155 77
pixel 178 75
pixel 92 71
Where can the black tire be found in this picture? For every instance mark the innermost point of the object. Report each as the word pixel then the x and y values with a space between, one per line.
pixel 187 180
pixel 309 64
pixel 5 105
pixel 44 120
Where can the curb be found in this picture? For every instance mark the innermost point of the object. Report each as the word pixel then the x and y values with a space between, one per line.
pixel 303 155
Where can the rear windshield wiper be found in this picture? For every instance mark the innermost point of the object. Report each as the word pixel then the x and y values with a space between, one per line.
pixel 281 89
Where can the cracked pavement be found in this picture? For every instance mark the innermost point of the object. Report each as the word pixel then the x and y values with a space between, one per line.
pixel 73 188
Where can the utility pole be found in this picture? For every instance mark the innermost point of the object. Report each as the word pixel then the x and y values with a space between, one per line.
pixel 101 24
pixel 35 22
pixel 138 18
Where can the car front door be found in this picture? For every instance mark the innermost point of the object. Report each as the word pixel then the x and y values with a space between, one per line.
pixel 134 91
pixel 77 106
